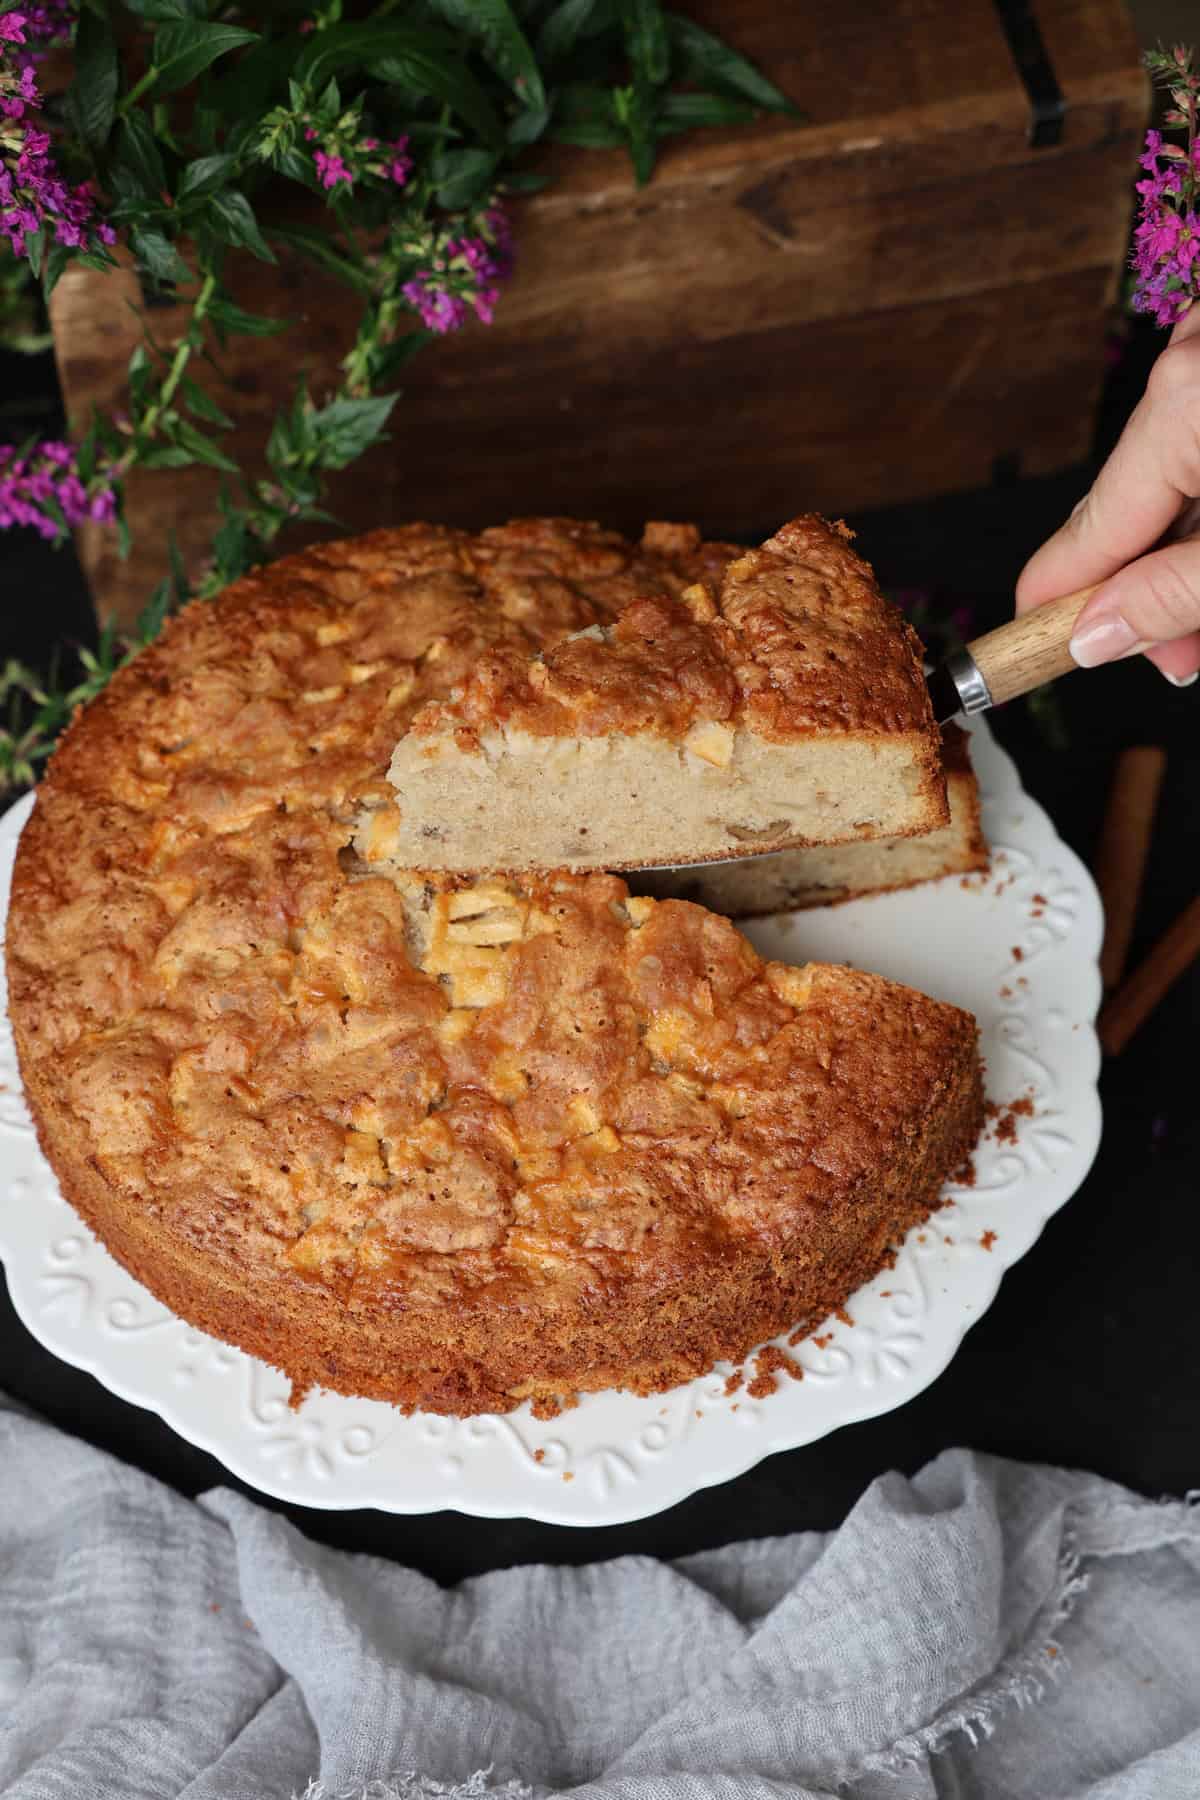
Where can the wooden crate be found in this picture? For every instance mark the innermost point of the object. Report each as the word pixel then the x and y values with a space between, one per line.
pixel 896 298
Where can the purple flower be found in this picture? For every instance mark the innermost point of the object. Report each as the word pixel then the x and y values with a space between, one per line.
pixel 341 159
pixel 331 169
pixel 1166 238
pixel 12 28
pixel 400 166
pixel 464 275
pixel 45 476
pixel 46 22
pixel 33 194
pixel 439 310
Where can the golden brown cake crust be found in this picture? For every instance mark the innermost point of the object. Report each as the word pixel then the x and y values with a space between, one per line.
pixel 791 640
pixel 449 1145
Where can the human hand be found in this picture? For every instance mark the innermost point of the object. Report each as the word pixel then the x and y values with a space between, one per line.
pixel 1137 532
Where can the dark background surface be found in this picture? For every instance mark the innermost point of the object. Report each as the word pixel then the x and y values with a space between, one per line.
pixel 1090 1354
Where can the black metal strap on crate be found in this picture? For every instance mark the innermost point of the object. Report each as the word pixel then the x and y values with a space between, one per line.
pixel 1025 41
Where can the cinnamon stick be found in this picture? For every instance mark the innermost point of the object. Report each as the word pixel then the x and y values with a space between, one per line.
pixel 1134 1001
pixel 1123 848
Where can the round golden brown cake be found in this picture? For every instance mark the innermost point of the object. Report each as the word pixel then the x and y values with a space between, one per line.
pixel 448 1144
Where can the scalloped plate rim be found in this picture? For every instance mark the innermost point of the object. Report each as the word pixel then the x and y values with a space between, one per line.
pixel 664 1491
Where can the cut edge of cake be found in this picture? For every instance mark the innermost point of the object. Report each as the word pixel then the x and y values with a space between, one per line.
pixel 791 880
pixel 787 708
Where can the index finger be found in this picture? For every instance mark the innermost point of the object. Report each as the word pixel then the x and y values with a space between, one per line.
pixel 1138 494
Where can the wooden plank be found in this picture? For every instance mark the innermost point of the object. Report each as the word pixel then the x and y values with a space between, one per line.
pixel 1012 374
pixel 752 307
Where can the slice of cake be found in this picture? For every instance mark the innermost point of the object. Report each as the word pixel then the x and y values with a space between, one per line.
pixel 781 705
pixel 823 875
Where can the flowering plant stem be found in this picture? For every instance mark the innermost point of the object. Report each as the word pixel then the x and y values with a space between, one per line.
pixel 1166 238
pixel 412 121
pixel 184 351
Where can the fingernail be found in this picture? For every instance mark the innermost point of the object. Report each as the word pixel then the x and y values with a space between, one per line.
pixel 1101 640
pixel 1179 680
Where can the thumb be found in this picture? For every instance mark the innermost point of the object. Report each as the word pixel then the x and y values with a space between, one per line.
pixel 1154 601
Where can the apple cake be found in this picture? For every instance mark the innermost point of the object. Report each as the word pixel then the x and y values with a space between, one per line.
pixel 825 875
pixel 447 1143
pixel 784 706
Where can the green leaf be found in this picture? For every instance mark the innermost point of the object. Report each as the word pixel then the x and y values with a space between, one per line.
pixel 298 167
pixel 100 258
pixel 94 90
pixel 450 83
pixel 525 182
pixel 56 261
pixel 315 245
pixel 682 112
pixel 153 615
pixel 560 30
pixel 165 456
pixel 345 428
pixel 203 404
pixel 206 123
pixel 589 135
pixel 231 548
pixel 35 244
pixel 140 375
pixel 528 126
pixel 226 316
pixel 285 442
pixel 632 107
pixel 247 89
pixel 421 60
pixel 185 48
pixel 160 119
pixel 708 59
pixel 583 102
pixel 389 359
pixel 241 137
pixel 50 506
pixel 585 114
pixel 354 46
pixel 202 448
pixel 158 255
pixel 463 177
pixel 231 217
pixel 139 158
pixel 493 25
pixel 644 27
pixel 160 10
pixel 204 176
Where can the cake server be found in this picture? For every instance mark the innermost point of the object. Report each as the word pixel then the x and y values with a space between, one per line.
pixel 1012 660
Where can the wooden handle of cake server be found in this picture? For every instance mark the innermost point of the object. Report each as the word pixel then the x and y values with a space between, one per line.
pixel 1020 656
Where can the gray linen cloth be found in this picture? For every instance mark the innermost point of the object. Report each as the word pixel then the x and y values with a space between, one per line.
pixel 985 1631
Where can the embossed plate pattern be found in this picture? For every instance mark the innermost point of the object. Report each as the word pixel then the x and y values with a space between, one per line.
pixel 617 1457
